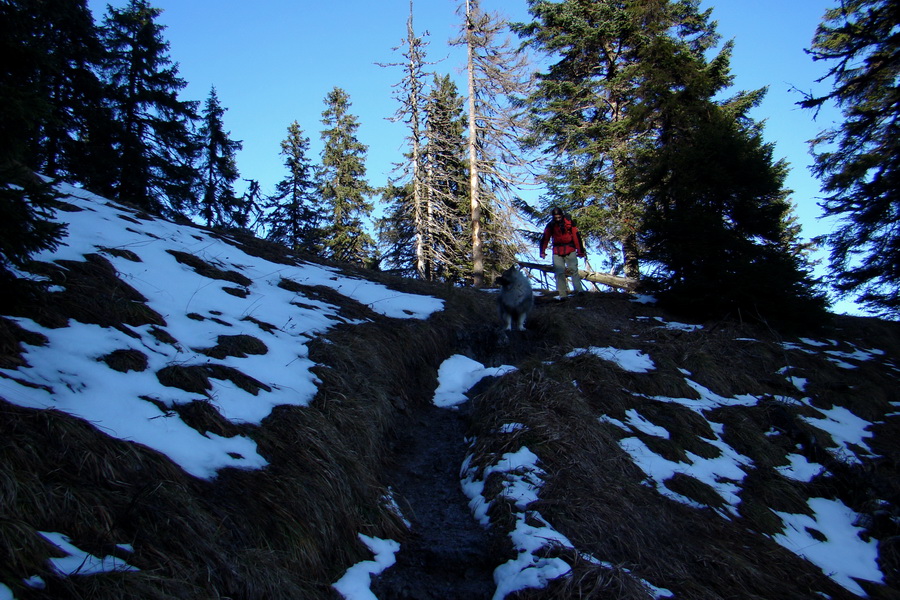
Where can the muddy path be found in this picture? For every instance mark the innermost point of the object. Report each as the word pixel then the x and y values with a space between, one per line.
pixel 448 555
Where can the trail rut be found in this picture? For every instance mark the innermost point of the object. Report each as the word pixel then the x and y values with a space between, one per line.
pixel 448 555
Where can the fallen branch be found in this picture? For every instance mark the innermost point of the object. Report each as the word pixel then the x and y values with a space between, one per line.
pixel 623 283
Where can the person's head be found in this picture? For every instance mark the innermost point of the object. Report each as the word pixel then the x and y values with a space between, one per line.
pixel 557 214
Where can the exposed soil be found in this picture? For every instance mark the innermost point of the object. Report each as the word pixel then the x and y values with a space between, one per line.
pixel 448 555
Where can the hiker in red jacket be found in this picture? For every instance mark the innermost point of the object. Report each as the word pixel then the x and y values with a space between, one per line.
pixel 567 249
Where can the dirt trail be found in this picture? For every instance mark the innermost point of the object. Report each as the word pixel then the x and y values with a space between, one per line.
pixel 448 555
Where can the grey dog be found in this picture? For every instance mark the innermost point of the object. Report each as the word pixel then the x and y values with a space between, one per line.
pixel 516 299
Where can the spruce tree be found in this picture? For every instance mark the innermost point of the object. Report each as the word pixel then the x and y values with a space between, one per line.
pixel 580 109
pixel 717 216
pixel 25 104
pixel 646 152
pixel 446 182
pixel 247 214
pixel 293 217
pixel 63 35
pixel 218 168
pixel 859 160
pixel 27 222
pixel 396 231
pixel 718 224
pixel 26 201
pixel 343 186
pixel 157 148
pixel 444 193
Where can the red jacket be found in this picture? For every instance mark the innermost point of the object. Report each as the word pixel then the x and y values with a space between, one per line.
pixel 565 238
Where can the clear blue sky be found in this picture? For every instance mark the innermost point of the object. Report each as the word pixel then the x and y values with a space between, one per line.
pixel 273 61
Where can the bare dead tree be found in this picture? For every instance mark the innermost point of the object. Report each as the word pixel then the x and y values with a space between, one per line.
pixel 410 93
pixel 497 74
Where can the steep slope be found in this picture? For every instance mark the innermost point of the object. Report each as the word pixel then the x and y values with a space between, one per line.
pixel 189 414
pixel 723 461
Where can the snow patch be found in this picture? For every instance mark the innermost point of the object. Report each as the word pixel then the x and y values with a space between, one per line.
pixel 68 375
pixel 79 562
pixel 532 535
pixel 634 361
pixel 457 375
pixel 357 580
pixel 844 555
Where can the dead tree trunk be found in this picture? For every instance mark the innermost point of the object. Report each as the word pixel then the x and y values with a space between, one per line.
pixel 629 284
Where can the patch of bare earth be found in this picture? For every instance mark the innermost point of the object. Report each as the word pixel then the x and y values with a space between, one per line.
pixel 447 555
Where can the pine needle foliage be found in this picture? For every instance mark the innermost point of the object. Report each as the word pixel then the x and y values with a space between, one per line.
pixel 156 148
pixel 715 224
pixel 446 181
pixel 26 201
pixel 57 56
pixel 859 160
pixel 27 224
pixel 344 189
pixel 293 217
pixel 717 214
pixel 217 166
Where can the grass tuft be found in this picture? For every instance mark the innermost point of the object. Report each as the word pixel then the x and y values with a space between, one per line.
pixel 126 360
pixel 207 270
pixel 195 378
pixel 240 346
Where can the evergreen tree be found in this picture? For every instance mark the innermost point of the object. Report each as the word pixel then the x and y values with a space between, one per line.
pixel 792 239
pixel 859 161
pixel 444 193
pixel 156 146
pixel 718 219
pixel 62 32
pixel 446 183
pixel 718 224
pixel 248 212
pixel 643 145
pixel 293 219
pixel 396 231
pixel 497 76
pixel 218 168
pixel 26 218
pixel 24 102
pixel 581 105
pixel 343 187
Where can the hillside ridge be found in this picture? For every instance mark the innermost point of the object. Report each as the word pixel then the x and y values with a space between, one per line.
pixel 208 415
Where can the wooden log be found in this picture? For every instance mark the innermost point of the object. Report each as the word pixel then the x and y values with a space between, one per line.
pixel 623 283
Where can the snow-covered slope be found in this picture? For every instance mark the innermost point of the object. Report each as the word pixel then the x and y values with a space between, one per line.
pixel 223 326
pixel 68 373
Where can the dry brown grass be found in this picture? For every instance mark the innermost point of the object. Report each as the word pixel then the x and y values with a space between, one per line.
pixel 91 293
pixel 195 378
pixel 594 494
pixel 287 531
pixel 126 360
pixel 207 270
pixel 290 530
pixel 11 338
pixel 239 346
